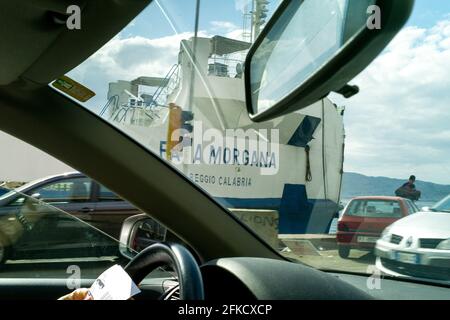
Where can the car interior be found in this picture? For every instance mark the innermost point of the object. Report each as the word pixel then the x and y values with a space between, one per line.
pixel 221 257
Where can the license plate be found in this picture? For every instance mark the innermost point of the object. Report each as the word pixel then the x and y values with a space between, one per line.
pixel 367 239
pixel 410 258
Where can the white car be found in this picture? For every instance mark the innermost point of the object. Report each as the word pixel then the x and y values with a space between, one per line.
pixel 416 246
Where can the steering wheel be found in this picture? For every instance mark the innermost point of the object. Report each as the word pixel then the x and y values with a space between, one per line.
pixel 175 256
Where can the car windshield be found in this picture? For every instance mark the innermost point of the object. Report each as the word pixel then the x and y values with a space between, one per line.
pixel 173 80
pixel 442 206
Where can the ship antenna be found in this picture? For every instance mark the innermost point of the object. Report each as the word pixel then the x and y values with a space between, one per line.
pixel 259 16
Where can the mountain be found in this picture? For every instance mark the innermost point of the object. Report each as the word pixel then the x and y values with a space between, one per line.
pixel 355 184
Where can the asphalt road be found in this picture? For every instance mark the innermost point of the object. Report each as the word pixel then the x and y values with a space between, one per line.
pixel 320 251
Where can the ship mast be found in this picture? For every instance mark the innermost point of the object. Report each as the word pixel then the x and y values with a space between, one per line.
pixel 258 16
pixel 247 23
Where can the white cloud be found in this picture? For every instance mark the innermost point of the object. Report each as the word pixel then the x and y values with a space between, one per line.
pixel 242 5
pixel 127 59
pixel 227 26
pixel 131 57
pixel 399 124
pixel 237 34
pixel 227 29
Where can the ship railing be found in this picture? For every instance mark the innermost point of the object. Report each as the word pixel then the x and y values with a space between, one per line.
pixel 128 111
pixel 140 114
pixel 170 82
pixel 113 102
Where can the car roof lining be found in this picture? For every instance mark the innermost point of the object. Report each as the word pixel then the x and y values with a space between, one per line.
pixel 40 50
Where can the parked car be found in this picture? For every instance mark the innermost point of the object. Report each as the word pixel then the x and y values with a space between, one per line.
pixel 3 191
pixel 35 230
pixel 364 219
pixel 416 246
pixel 77 195
pixel 74 197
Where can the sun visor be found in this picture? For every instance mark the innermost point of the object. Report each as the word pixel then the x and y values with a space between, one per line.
pixel 38 46
pixel 26 31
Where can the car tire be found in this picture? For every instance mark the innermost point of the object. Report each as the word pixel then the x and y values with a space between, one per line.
pixel 344 252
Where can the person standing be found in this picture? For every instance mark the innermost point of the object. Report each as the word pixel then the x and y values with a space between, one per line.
pixel 410 184
pixel 408 190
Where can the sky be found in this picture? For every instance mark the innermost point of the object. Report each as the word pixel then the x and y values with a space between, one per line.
pixel 399 123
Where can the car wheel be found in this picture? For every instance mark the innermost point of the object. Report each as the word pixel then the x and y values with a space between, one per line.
pixel 344 252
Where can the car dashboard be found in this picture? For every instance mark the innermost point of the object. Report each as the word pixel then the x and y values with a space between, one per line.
pixel 249 279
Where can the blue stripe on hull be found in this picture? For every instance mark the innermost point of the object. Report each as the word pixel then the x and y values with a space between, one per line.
pixel 297 213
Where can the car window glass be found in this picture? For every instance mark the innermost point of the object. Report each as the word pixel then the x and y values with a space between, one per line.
pixel 416 208
pixel 443 205
pixel 67 239
pixel 411 207
pixel 3 191
pixel 105 194
pixel 173 81
pixel 374 209
pixel 17 202
pixel 40 241
pixel 65 191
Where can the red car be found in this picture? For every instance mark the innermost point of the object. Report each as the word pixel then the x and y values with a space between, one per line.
pixel 365 218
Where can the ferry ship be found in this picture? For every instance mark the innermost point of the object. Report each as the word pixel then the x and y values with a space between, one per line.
pixel 204 93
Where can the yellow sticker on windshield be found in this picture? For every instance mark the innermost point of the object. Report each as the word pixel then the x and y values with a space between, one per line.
pixel 73 89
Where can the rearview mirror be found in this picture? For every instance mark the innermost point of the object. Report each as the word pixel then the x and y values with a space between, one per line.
pixel 310 48
pixel 139 232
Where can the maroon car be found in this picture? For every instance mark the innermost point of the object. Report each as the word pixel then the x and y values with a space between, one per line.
pixel 25 221
pixel 365 218
pixel 78 195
